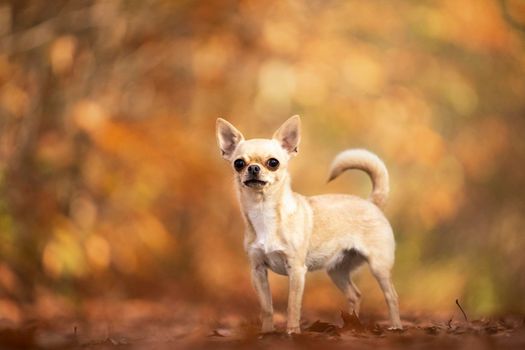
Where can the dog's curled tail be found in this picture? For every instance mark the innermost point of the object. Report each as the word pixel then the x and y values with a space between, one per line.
pixel 370 163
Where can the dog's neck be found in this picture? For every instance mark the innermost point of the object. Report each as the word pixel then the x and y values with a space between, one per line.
pixel 266 211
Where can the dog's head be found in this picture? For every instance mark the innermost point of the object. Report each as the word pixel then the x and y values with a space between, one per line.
pixel 259 164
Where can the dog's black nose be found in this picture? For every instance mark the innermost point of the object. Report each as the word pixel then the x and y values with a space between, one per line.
pixel 254 169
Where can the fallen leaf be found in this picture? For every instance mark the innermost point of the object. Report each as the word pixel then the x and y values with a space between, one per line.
pixel 351 322
pixel 323 327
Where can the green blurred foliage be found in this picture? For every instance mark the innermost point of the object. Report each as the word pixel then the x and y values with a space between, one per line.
pixel 111 183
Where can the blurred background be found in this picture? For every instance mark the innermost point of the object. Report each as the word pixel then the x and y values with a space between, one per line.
pixel 112 187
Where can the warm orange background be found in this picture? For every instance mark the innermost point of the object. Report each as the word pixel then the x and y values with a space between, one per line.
pixel 112 185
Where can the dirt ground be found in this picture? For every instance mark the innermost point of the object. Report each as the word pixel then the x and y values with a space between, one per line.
pixel 146 325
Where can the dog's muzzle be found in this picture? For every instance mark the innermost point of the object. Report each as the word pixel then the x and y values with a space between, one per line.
pixel 254 183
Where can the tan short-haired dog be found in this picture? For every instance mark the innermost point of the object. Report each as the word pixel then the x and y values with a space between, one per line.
pixel 292 234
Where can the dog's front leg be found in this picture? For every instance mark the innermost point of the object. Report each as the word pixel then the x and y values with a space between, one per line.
pixel 296 274
pixel 262 287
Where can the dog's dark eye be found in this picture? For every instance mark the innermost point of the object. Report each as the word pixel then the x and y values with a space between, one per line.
pixel 239 164
pixel 272 164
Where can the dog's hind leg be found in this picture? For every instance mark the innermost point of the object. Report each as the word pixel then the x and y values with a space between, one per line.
pixel 383 277
pixel 341 276
pixel 343 281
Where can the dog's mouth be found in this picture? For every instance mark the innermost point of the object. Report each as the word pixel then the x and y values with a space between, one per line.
pixel 254 183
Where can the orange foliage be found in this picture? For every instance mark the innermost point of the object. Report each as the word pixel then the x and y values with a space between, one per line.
pixel 112 181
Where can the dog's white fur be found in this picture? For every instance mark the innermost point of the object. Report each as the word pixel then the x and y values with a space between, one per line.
pixel 292 234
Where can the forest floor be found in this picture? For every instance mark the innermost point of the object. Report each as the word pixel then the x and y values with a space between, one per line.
pixel 146 325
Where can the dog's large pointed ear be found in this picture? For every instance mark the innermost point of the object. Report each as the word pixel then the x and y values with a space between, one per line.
pixel 289 134
pixel 228 137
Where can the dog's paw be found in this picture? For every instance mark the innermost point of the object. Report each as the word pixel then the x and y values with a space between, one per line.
pixel 293 330
pixel 397 328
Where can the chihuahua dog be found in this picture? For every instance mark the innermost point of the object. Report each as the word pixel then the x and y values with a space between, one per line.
pixel 291 234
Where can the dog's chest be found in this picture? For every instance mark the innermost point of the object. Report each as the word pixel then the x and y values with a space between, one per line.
pixel 266 226
pixel 272 242
pixel 267 246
